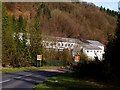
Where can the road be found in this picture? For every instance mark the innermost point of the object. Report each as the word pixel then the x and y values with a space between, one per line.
pixel 27 80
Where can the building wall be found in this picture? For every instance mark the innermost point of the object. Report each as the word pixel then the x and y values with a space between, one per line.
pixel 93 53
pixel 59 45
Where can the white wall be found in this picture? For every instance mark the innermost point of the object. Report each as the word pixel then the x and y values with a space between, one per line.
pixel 92 53
pixel 59 45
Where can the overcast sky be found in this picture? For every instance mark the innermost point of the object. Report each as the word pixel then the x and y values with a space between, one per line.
pixel 111 4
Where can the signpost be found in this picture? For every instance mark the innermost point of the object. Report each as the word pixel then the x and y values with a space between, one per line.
pixel 39 58
pixel 77 58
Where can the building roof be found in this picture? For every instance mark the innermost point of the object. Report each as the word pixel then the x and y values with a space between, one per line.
pixel 61 39
pixel 90 47
pixel 96 43
pixel 88 44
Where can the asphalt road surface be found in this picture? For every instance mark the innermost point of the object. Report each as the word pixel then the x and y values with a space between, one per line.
pixel 27 80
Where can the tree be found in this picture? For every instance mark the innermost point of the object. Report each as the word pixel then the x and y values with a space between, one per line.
pixel 43 10
pixel 35 39
pixel 22 54
pixel 112 51
pixel 8 44
pixel 15 52
pixel 0 33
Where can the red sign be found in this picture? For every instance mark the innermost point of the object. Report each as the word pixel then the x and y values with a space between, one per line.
pixel 39 57
pixel 77 58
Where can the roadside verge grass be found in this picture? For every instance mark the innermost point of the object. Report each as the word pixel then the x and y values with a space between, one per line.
pixel 68 81
pixel 21 69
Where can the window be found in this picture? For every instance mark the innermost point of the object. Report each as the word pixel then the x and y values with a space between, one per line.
pixel 71 45
pixel 51 44
pixel 65 45
pixel 54 43
pixel 47 44
pixel 68 44
pixel 62 44
pixel 58 44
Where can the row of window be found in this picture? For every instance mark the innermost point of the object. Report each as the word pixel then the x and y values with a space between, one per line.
pixel 94 51
pixel 58 44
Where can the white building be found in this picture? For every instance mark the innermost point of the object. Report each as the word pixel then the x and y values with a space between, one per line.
pixel 93 49
pixel 60 43
pixel 90 47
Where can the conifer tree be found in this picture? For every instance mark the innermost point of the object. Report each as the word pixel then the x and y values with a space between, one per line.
pixel 8 44
pixel 112 51
pixel 35 38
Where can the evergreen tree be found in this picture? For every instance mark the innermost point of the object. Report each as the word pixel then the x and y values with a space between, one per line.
pixel 0 33
pixel 23 57
pixel 22 50
pixel 21 24
pixel 35 39
pixel 110 12
pixel 43 10
pixel 112 51
pixel 8 44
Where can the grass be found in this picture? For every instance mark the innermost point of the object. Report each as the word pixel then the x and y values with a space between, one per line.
pixel 11 70
pixel 68 81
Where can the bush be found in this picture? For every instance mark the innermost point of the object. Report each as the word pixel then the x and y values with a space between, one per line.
pixel 54 63
pixel 57 58
pixel 98 71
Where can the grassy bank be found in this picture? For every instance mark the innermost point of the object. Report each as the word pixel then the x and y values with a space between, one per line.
pixel 67 81
pixel 10 69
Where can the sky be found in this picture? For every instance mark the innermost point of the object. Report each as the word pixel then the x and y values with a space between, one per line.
pixel 111 4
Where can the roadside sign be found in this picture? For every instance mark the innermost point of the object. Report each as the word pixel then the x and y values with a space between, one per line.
pixel 39 57
pixel 77 58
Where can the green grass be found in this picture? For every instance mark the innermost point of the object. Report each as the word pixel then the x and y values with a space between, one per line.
pixel 67 81
pixel 11 70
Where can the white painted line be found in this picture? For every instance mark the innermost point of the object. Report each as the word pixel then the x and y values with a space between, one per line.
pixel 24 76
pixel 15 77
pixel 5 81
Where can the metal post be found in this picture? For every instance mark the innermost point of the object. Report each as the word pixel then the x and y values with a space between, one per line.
pixel 40 63
pixel 37 63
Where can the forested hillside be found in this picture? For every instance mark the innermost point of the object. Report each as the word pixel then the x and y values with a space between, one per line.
pixel 34 20
pixel 76 20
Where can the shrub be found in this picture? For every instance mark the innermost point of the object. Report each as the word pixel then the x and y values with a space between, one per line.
pixel 53 57
pixel 98 71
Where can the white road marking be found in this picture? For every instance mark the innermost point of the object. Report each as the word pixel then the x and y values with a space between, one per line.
pixel 5 81
pixel 15 77
pixel 24 76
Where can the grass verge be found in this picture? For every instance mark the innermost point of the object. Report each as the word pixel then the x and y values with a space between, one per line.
pixel 68 81
pixel 21 69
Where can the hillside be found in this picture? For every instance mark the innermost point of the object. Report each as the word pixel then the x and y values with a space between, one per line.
pixel 75 20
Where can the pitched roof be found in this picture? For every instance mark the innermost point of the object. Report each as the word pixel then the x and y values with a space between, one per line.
pixel 61 39
pixel 90 47
pixel 96 43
